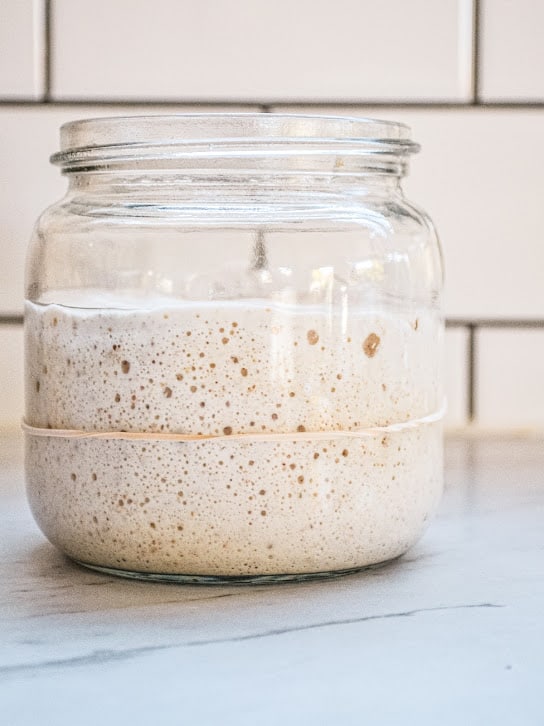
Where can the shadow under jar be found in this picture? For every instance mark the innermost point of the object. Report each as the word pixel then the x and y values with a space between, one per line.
pixel 233 349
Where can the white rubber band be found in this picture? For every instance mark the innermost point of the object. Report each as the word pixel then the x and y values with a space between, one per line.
pixel 314 435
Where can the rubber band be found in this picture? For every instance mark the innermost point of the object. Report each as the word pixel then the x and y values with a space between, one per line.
pixel 290 436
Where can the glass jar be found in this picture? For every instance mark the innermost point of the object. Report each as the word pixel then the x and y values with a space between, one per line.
pixel 233 348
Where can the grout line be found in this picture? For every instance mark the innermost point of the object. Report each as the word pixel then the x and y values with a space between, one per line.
pixel 526 105
pixel 17 319
pixel 476 45
pixel 125 103
pixel 465 49
pixel 47 53
pixel 495 323
pixel 471 370
pixel 39 43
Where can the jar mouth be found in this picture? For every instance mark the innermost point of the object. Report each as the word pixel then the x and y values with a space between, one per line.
pixel 94 143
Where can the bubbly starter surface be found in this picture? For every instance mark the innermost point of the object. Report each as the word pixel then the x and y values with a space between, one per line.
pixel 222 505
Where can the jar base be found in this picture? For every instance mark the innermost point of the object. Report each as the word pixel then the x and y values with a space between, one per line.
pixel 275 579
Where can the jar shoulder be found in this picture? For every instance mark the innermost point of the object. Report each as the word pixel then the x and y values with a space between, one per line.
pixel 386 213
pixel 403 213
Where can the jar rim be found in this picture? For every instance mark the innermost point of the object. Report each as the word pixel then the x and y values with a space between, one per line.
pixel 227 134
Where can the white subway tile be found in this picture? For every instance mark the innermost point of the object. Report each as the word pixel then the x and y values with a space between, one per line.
pixel 511 50
pixel 22 54
pixel 479 175
pixel 509 378
pixel 456 377
pixel 486 204
pixel 28 183
pixel 11 370
pixel 350 50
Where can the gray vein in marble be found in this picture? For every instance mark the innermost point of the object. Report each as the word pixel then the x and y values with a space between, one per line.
pixel 100 657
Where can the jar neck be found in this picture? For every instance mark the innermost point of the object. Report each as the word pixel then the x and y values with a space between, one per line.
pixel 242 185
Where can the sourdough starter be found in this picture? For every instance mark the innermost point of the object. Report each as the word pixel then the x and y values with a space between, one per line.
pixel 311 499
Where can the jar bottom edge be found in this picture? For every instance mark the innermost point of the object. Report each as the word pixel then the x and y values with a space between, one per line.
pixel 274 579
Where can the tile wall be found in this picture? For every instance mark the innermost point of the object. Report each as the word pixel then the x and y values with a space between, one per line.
pixel 465 74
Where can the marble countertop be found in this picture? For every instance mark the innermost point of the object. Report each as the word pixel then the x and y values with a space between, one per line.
pixel 453 633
